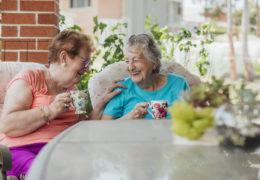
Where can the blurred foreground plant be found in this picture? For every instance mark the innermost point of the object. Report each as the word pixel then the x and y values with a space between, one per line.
pixel 194 114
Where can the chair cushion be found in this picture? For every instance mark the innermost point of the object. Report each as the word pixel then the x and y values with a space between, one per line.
pixel 9 69
pixel 99 82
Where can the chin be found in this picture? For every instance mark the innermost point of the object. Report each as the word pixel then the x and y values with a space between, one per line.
pixel 136 81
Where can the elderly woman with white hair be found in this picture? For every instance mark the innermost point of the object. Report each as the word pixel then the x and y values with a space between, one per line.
pixel 145 82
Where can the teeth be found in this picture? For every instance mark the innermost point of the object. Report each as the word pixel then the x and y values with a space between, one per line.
pixel 134 73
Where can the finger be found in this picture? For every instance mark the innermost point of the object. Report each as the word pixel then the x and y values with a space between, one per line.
pixel 121 85
pixel 64 95
pixel 66 105
pixel 113 86
pixel 112 94
pixel 115 81
pixel 143 104
pixel 144 114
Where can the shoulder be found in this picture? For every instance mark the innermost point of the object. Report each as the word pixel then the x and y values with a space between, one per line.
pixel 126 82
pixel 175 77
pixel 178 80
pixel 34 78
pixel 30 73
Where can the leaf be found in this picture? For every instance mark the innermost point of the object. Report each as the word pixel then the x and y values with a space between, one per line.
pixel 95 20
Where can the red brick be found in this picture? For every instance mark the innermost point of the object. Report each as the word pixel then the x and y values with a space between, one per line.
pixel 48 19
pixel 9 5
pixel 43 44
pixel 9 31
pixel 34 57
pixel 18 44
pixel 38 31
pixel 8 56
pixel 29 5
pixel 18 18
pixel 57 8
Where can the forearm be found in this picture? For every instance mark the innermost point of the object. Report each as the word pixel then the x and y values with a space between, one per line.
pixel 126 117
pixel 23 122
pixel 97 111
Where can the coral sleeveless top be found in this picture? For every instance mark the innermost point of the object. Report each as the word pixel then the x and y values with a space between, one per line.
pixel 41 97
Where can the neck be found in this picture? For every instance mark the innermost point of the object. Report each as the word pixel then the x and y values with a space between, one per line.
pixel 52 84
pixel 151 84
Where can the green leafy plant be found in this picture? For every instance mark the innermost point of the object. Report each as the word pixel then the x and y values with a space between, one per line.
pixel 111 49
pixel 74 27
pixel 183 40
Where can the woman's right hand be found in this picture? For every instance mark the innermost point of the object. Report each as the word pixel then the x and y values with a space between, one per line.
pixel 60 105
pixel 139 111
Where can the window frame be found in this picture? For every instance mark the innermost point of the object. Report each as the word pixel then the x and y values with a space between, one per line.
pixel 74 4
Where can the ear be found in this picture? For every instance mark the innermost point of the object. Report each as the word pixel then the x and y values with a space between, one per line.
pixel 155 64
pixel 63 57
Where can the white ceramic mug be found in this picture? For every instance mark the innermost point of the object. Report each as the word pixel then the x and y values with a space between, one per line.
pixel 80 101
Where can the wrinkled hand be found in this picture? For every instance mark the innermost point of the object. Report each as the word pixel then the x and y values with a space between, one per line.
pixel 139 111
pixel 109 94
pixel 60 105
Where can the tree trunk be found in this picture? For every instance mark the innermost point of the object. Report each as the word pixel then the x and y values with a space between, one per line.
pixel 233 73
pixel 249 70
pixel 257 19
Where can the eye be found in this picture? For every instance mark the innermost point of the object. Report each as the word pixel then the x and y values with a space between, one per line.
pixel 126 61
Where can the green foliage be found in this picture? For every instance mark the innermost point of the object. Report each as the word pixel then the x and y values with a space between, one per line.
pixel 213 94
pixel 257 67
pixel 237 17
pixel 220 30
pixel 111 49
pixel 182 40
pixel 74 27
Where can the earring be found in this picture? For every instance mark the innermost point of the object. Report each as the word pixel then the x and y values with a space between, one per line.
pixel 63 64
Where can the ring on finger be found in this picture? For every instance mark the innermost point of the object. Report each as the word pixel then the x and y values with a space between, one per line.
pixel 66 106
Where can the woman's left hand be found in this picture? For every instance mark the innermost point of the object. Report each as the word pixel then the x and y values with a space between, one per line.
pixel 110 93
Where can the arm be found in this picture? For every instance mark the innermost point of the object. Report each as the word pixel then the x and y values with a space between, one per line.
pixel 98 110
pixel 139 111
pixel 18 118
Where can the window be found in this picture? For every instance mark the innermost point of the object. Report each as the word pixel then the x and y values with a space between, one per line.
pixel 80 3
pixel 175 12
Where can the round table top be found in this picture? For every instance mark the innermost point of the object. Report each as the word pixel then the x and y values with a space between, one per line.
pixel 138 149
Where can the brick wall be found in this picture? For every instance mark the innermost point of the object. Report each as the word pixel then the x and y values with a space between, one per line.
pixel 28 26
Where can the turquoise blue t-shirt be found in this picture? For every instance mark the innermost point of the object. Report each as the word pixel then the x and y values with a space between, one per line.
pixel 123 103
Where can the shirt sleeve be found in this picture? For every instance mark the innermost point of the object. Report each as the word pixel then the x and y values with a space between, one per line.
pixel 186 86
pixel 115 106
pixel 30 77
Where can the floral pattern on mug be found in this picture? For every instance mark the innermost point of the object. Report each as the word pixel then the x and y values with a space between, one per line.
pixel 159 109
pixel 80 101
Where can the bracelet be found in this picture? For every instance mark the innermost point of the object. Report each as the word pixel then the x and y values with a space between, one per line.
pixel 43 116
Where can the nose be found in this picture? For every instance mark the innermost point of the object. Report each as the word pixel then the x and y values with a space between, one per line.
pixel 131 66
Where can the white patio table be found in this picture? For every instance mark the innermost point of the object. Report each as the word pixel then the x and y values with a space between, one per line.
pixel 138 149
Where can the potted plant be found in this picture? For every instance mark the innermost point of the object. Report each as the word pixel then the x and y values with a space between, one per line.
pixel 230 109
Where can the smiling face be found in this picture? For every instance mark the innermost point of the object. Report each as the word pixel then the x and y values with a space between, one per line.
pixel 139 68
pixel 75 68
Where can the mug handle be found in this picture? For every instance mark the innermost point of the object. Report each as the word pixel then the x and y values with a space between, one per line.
pixel 149 108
